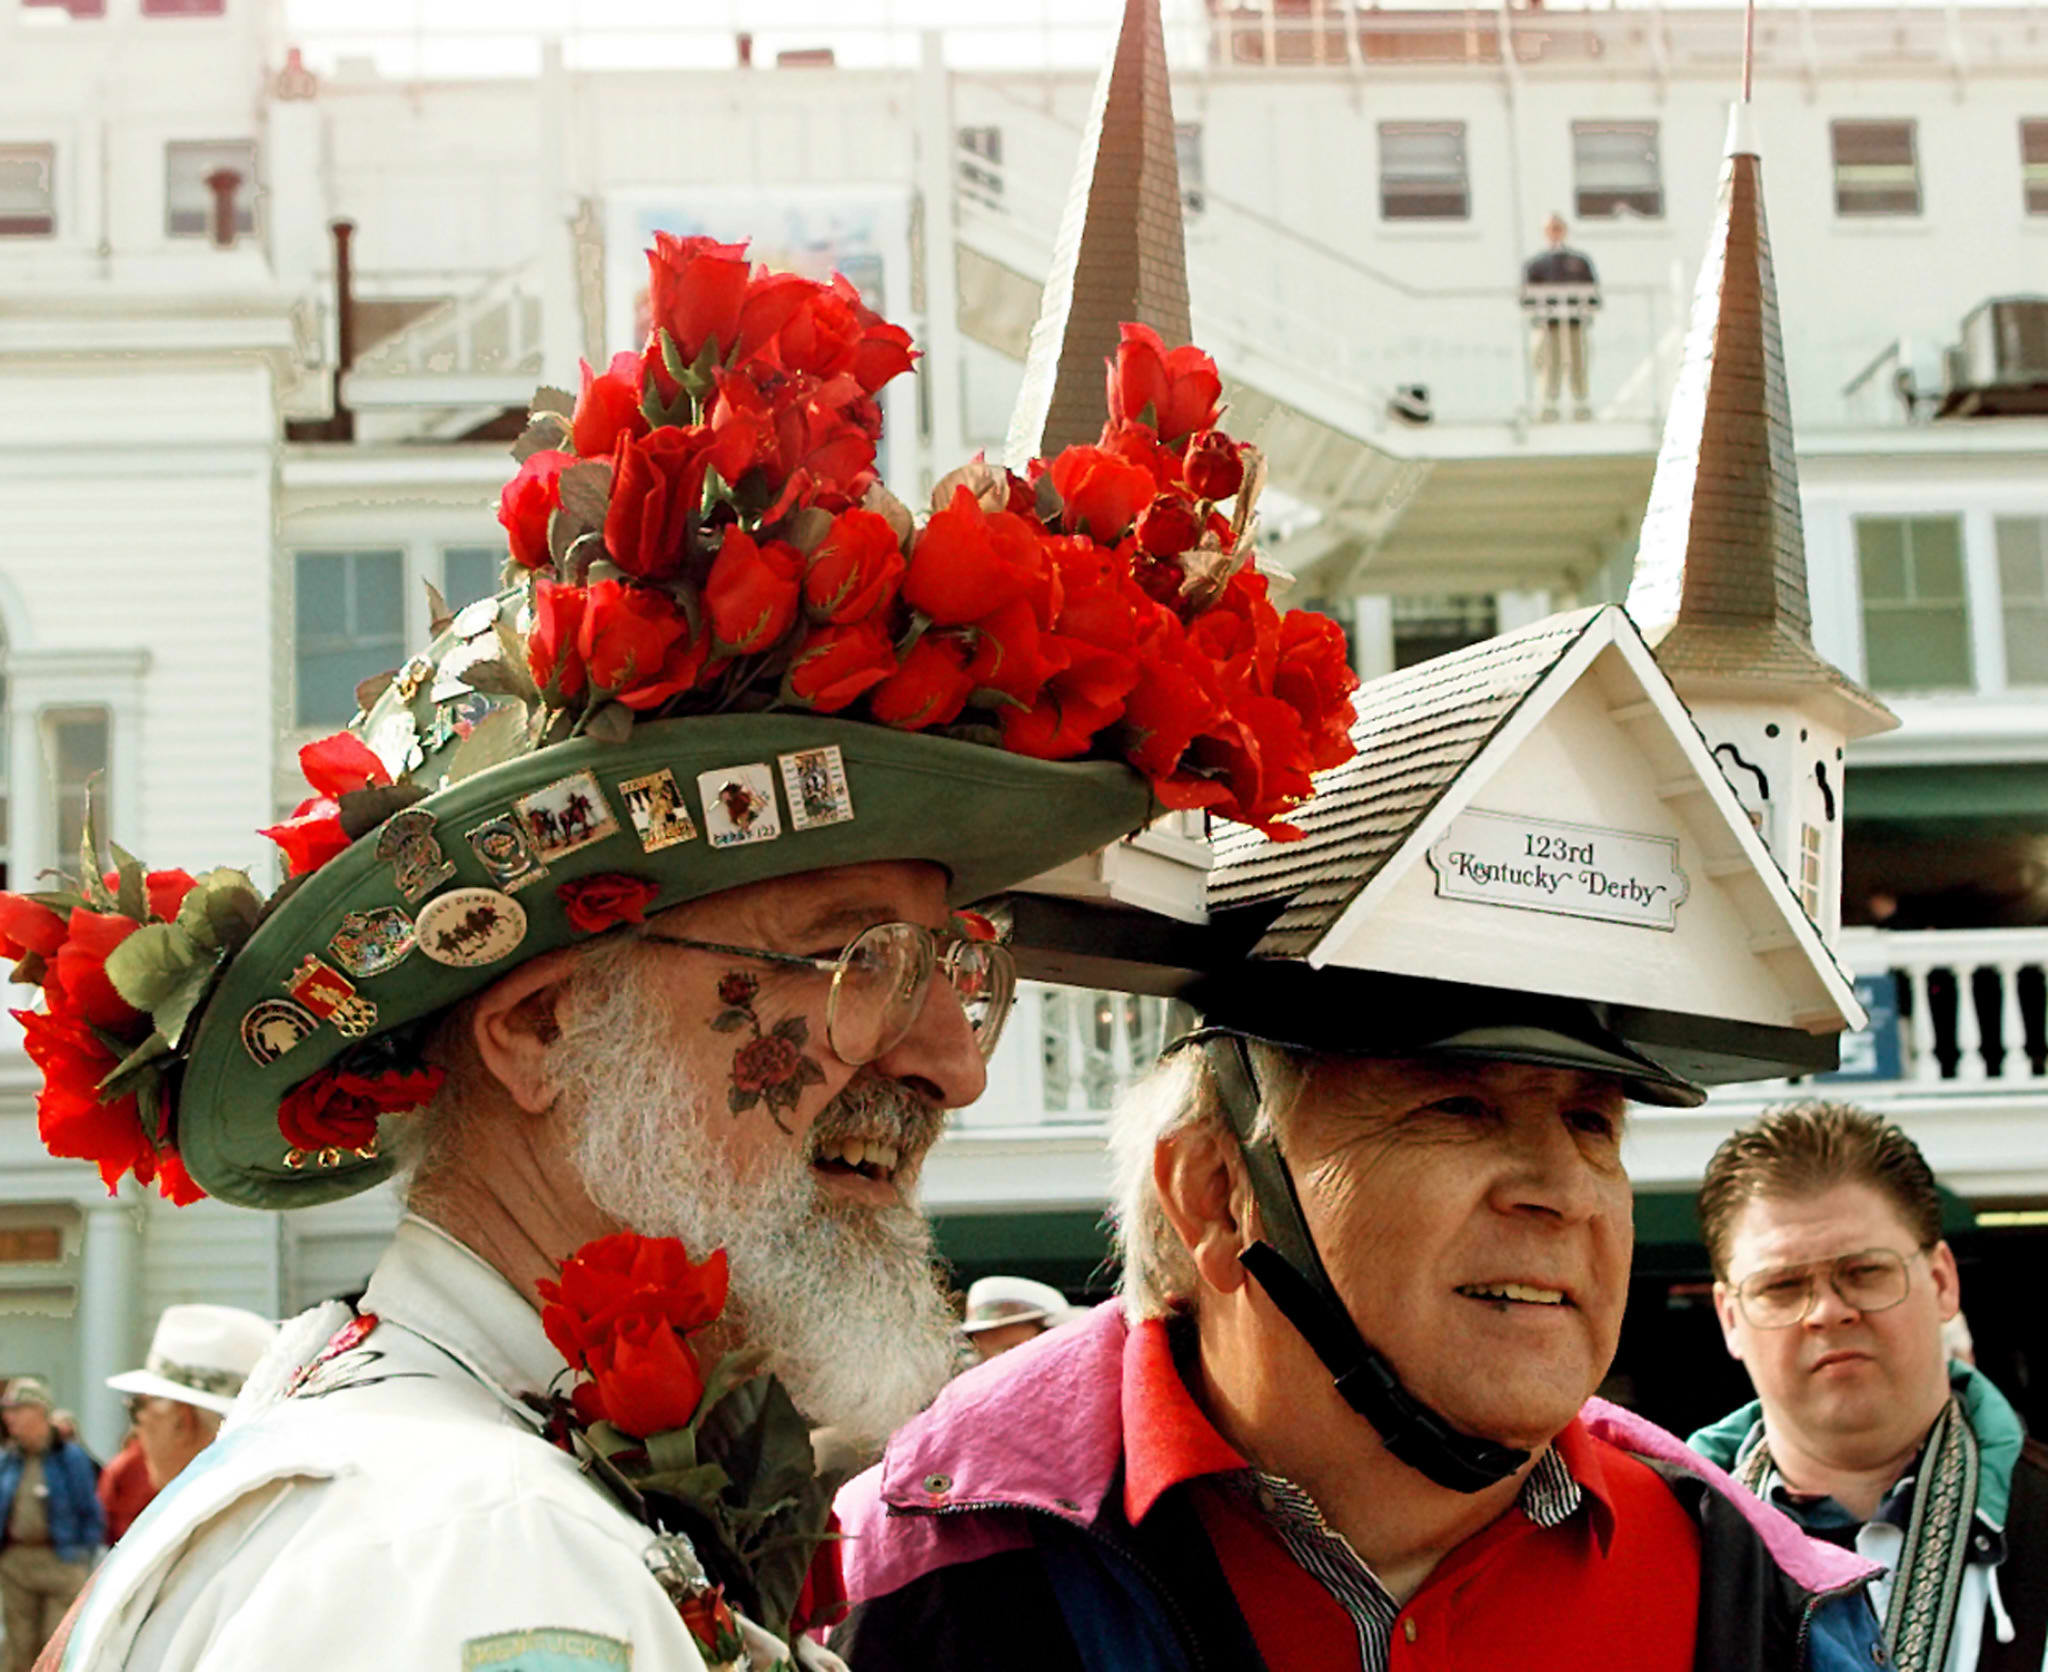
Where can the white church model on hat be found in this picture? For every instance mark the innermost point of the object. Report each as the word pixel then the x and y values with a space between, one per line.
pixel 1720 579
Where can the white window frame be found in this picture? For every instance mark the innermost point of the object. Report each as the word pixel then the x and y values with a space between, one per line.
pixel 1424 125
pixel 40 681
pixel 53 153
pixel 249 202
pixel 1912 126
pixel 1584 124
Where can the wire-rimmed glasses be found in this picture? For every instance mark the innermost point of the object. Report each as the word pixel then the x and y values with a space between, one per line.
pixel 880 980
pixel 1869 1280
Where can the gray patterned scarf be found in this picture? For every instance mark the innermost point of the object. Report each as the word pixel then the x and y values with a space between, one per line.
pixel 1929 1576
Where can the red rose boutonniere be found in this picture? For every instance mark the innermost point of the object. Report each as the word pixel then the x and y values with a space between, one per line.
pixel 711 1453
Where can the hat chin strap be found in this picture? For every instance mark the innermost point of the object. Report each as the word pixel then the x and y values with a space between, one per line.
pixel 1291 1271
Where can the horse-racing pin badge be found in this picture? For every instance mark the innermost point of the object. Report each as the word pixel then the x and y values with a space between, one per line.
pixel 467 928
pixel 815 782
pixel 371 942
pixel 408 845
pixel 568 814
pixel 655 805
pixel 739 805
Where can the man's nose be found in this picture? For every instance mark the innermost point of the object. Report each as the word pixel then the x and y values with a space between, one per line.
pixel 1828 1308
pixel 938 1057
pixel 1549 1174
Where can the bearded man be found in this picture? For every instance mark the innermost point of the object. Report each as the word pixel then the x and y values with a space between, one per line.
pixel 624 923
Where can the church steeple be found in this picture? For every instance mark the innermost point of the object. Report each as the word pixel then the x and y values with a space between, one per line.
pixel 1720 577
pixel 1122 252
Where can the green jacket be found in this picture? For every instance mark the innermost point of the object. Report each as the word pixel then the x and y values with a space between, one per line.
pixel 1990 1415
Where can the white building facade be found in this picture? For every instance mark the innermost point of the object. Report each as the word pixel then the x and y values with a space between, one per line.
pixel 201 568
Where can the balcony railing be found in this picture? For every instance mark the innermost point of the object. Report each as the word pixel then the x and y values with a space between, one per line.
pixel 1955 1009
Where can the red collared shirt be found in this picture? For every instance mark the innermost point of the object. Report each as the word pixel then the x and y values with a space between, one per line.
pixel 1555 1583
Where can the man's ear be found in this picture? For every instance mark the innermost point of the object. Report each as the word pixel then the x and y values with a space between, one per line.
pixel 1948 1282
pixel 1198 1172
pixel 513 1022
pixel 1724 1309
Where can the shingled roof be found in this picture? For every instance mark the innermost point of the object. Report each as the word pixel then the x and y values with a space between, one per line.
pixel 1417 730
pixel 1121 254
pixel 1720 578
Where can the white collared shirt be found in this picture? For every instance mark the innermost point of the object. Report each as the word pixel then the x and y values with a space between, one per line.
pixel 399 1509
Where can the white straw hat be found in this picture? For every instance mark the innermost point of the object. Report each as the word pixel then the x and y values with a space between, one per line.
pixel 995 1301
pixel 201 1355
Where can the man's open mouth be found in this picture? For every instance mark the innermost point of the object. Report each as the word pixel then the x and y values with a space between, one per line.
pixel 871 1158
pixel 1524 1294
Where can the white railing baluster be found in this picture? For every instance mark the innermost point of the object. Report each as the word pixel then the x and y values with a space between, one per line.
pixel 1969 1031
pixel 2014 1064
pixel 1926 1065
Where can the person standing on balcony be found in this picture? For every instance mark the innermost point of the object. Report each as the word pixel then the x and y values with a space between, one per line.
pixel 1560 290
pixel 1833 1286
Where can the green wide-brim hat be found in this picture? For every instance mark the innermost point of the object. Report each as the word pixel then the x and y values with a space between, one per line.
pixel 460 888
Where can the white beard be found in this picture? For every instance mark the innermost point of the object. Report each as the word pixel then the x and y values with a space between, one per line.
pixel 843 1297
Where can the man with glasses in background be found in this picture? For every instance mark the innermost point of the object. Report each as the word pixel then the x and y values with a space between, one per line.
pixel 1832 1283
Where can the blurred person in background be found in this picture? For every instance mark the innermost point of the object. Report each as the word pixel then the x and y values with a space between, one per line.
pixel 1005 1312
pixel 197 1363
pixel 66 1425
pixel 1560 343
pixel 1834 1288
pixel 50 1523
pixel 124 1489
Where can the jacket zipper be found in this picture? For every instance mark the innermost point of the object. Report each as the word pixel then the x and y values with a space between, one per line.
pixel 1168 1606
pixel 1815 1600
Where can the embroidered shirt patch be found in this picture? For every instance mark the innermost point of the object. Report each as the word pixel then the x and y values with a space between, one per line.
pixel 546 1649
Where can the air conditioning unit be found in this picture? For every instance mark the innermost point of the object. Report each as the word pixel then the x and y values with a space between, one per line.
pixel 2005 342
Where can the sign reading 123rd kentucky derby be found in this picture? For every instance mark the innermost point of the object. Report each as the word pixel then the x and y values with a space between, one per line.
pixel 1574 870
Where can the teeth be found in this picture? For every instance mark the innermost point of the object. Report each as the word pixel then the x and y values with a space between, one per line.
pixel 854 1152
pixel 882 1156
pixel 874 1154
pixel 1515 1291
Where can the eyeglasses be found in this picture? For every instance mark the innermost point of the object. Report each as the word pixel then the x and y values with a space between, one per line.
pixel 880 980
pixel 1871 1280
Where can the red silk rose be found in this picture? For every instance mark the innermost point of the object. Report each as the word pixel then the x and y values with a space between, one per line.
pixel 1136 444
pixel 1168 526
pixel 713 1629
pixel 929 689
pixel 81 970
pixel 72 1121
pixel 855 570
pixel 970 562
pixel 1099 492
pixel 621 1314
pixel 552 653
pixel 526 503
pixel 1011 655
pixel 657 488
pixel 336 1109
pixel 1313 677
pixel 608 407
pixel 1179 388
pixel 835 665
pixel 1213 466
pixel 752 593
pixel 597 903
pixel 624 635
pixel 28 926
pixel 695 290
pixel 334 766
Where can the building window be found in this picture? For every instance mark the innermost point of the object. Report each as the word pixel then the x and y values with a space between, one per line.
pixel 1617 169
pixel 70 8
pixel 28 191
pixel 184 8
pixel 1810 893
pixel 1426 627
pixel 1877 168
pixel 1187 151
pixel 980 162
pixel 1422 172
pixel 76 747
pixel 350 612
pixel 188 199
pixel 2034 163
pixel 469 573
pixel 1916 628
pixel 2023 596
